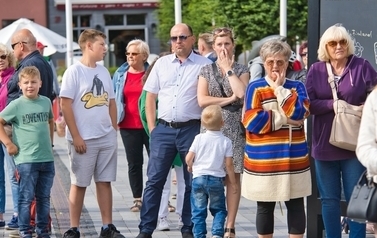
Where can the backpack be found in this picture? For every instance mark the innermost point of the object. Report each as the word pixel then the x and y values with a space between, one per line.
pixel 254 62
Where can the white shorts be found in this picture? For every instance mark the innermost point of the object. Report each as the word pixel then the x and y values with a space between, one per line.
pixel 99 161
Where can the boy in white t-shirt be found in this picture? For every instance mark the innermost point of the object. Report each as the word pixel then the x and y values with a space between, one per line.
pixel 205 160
pixel 89 109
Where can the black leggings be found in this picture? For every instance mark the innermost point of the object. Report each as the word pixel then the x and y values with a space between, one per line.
pixel 295 216
pixel 133 141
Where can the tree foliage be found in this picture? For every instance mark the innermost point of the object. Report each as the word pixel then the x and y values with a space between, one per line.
pixel 250 19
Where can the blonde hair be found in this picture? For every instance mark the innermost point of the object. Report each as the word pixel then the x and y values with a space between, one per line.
pixel 29 72
pixel 141 46
pixel 207 38
pixel 9 53
pixel 334 33
pixel 212 118
pixel 222 32
pixel 89 35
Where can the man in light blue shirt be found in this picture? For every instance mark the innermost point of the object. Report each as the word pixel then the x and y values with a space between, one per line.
pixel 173 82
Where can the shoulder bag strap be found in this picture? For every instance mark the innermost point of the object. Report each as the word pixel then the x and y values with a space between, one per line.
pixel 331 80
pixel 216 74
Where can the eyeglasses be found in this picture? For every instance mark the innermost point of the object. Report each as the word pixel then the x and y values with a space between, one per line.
pixel 224 30
pixel 278 62
pixel 335 43
pixel 3 57
pixel 133 54
pixel 14 45
pixel 181 38
pixel 304 54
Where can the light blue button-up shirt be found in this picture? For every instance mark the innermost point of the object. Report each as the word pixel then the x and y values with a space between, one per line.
pixel 176 85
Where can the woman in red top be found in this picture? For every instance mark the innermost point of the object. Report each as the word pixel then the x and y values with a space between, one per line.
pixel 128 88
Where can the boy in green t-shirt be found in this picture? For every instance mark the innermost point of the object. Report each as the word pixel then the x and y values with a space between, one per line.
pixel 31 145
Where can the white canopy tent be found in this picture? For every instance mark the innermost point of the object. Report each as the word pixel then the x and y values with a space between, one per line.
pixel 53 41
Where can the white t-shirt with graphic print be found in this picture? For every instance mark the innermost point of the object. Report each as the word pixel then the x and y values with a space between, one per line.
pixel 91 90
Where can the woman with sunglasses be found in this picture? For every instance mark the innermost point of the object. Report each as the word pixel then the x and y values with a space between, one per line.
pixel 276 153
pixel 336 168
pixel 224 83
pixel 128 86
pixel 7 64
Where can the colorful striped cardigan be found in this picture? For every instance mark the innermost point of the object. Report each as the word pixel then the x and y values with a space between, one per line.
pixel 276 162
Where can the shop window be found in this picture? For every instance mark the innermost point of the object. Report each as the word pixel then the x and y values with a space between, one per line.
pixel 136 19
pixel 79 24
pixel 114 20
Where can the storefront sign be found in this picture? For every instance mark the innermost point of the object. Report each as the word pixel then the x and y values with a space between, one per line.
pixel 98 6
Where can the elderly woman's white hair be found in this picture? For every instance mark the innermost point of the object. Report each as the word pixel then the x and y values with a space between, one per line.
pixel 4 50
pixel 141 46
pixel 274 47
pixel 334 33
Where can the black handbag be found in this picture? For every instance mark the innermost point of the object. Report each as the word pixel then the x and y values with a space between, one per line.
pixel 363 202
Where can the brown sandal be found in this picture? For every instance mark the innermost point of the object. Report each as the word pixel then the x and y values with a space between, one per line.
pixel 137 206
pixel 230 233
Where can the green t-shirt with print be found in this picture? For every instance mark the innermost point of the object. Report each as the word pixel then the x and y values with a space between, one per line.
pixel 31 130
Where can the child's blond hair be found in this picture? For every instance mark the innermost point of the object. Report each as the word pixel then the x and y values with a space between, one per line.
pixel 29 72
pixel 212 118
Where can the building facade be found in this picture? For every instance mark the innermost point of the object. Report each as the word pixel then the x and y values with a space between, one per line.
pixel 120 20
pixel 35 10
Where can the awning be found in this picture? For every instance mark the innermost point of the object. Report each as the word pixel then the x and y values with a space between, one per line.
pixel 107 4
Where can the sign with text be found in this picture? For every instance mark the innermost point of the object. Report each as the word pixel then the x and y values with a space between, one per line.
pixel 359 18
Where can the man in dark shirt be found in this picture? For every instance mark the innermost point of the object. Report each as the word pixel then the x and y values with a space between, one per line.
pixel 25 50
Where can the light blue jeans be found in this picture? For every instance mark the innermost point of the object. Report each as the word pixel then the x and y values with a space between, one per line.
pixel 330 175
pixel 208 189
pixel 2 183
pixel 11 171
pixel 36 180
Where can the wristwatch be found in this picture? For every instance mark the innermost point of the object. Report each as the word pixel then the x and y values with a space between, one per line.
pixel 230 73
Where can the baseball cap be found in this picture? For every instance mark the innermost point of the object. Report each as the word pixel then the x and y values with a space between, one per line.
pixel 40 45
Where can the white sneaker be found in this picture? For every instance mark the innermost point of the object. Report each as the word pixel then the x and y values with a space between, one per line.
pixel 180 223
pixel 163 224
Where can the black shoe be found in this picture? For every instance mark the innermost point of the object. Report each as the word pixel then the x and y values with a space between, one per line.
pixel 110 232
pixel 72 233
pixel 144 235
pixel 187 235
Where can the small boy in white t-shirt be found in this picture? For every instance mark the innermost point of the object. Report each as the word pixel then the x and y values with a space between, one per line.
pixel 205 160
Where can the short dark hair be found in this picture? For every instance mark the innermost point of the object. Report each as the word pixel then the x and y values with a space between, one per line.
pixel 302 47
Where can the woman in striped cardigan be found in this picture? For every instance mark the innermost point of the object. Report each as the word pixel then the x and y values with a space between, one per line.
pixel 276 153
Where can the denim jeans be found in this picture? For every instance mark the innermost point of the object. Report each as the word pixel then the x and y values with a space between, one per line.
pixel 207 188
pixel 11 172
pixel 2 183
pixel 36 179
pixel 165 143
pixel 330 175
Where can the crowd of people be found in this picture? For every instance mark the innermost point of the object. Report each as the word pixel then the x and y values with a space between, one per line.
pixel 197 112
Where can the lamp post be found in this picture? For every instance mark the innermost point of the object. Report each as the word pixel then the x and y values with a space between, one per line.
pixel 69 34
pixel 178 11
pixel 283 17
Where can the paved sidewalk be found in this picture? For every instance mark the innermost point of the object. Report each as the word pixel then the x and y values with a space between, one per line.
pixel 125 220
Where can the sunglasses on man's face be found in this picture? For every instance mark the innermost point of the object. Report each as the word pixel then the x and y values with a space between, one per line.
pixel 181 38
pixel 3 57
